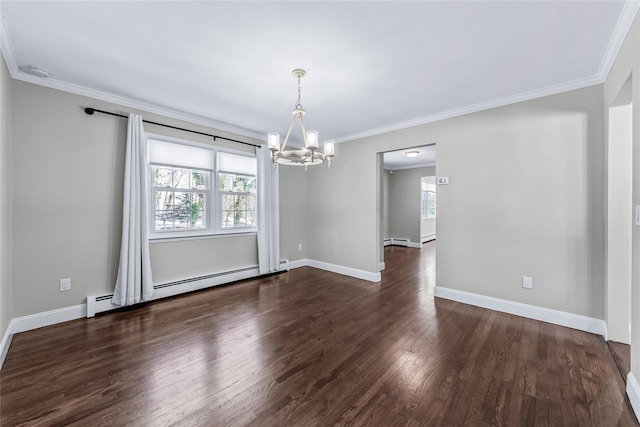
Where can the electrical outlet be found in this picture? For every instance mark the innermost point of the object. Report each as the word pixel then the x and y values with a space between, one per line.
pixel 527 282
pixel 300 246
pixel 65 284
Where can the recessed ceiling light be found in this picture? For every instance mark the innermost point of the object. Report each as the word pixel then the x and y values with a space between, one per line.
pixel 34 71
pixel 412 153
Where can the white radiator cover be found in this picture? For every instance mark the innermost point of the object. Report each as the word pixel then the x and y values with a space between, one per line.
pixel 402 242
pixel 101 303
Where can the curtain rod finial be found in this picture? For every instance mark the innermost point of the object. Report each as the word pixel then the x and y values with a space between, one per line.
pixel 89 111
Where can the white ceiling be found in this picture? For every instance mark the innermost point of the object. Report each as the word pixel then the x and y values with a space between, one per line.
pixel 372 66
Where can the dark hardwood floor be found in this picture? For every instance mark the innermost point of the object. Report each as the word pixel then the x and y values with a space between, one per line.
pixel 622 356
pixel 313 348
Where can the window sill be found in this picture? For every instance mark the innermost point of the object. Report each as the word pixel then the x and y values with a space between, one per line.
pixel 184 237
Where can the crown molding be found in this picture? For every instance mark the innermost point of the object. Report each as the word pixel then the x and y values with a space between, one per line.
pixel 137 104
pixel 6 45
pixel 628 14
pixel 474 108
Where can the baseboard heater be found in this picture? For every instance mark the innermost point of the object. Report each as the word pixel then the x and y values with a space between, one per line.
pixel 400 242
pixel 101 303
pixel 428 238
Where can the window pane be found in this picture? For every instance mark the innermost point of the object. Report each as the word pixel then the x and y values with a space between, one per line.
pixel 197 210
pixel 227 219
pixel 251 202
pixel 226 182
pixel 164 200
pixel 431 204
pixel 241 202
pixel 164 220
pixel 182 211
pixel 227 202
pixel 239 184
pixel 197 219
pixel 252 185
pixel 199 180
pixel 181 178
pixel 251 218
pixel 163 177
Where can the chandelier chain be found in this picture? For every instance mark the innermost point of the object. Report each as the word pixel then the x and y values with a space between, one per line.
pixel 298 105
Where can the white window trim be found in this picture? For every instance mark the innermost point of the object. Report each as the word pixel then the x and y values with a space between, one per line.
pixel 213 214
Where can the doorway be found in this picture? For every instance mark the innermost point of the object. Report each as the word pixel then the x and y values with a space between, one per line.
pixel 403 200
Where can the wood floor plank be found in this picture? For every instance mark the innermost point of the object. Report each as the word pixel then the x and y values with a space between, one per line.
pixel 622 355
pixel 313 348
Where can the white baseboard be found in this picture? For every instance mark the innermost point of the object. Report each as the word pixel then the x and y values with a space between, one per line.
pixel 347 271
pixel 5 343
pixel 48 318
pixel 633 391
pixel 570 320
pixel 386 242
pixel 298 263
pixel 382 266
pixel 340 269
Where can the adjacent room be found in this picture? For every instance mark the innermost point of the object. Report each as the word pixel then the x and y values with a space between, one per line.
pixel 319 213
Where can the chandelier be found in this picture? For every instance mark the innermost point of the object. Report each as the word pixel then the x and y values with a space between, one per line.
pixel 307 156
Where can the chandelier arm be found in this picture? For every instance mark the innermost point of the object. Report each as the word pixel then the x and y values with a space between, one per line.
pixel 286 138
pixel 304 131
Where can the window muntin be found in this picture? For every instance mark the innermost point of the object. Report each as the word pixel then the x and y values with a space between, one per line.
pixel 200 190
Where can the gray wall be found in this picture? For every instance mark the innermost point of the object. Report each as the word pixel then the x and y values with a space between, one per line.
pixel 499 218
pixel 404 202
pixel 293 212
pixel 67 203
pixel 6 289
pixel 627 64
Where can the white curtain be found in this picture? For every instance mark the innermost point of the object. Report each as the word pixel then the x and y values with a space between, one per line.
pixel 134 283
pixel 268 213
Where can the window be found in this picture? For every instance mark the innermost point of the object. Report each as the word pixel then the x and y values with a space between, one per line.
pixel 237 188
pixel 180 198
pixel 428 200
pixel 200 190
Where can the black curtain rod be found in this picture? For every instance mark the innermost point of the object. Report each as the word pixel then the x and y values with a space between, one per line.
pixel 90 112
